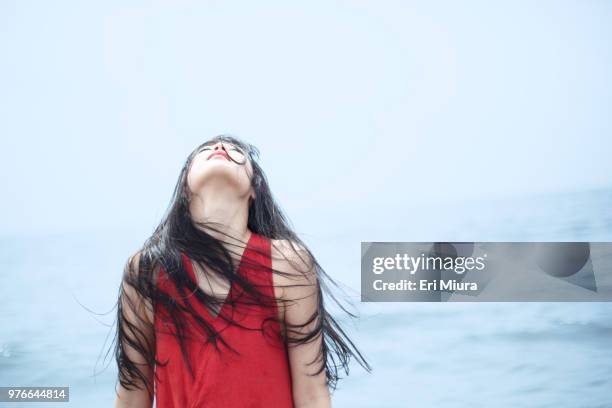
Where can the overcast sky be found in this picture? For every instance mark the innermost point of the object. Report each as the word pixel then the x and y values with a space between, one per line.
pixel 356 106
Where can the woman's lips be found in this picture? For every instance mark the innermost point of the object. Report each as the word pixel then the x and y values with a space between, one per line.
pixel 218 154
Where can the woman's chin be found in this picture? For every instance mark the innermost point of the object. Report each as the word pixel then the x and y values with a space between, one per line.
pixel 222 176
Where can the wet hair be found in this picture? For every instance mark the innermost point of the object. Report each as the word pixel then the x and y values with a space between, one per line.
pixel 179 234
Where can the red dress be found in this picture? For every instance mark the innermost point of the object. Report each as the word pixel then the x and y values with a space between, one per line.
pixel 258 377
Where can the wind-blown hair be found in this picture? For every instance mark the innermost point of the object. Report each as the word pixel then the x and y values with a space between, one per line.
pixel 179 234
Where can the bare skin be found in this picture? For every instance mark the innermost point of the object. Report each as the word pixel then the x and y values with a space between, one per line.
pixel 299 290
pixel 220 192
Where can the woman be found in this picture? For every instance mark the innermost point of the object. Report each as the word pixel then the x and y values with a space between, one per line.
pixel 223 306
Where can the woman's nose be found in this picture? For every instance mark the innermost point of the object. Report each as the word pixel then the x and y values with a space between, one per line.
pixel 218 146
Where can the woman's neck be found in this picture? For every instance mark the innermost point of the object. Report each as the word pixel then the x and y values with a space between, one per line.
pixel 224 210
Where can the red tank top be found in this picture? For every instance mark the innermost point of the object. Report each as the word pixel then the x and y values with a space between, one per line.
pixel 258 376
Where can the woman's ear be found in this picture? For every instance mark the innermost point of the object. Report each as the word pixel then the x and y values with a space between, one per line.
pixel 186 193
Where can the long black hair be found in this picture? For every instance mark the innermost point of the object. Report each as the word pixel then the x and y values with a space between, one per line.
pixel 179 234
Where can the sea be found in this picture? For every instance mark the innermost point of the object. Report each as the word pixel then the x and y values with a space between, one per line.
pixel 59 290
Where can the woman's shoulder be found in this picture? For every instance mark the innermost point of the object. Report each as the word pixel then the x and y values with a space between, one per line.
pixel 134 298
pixel 138 263
pixel 292 263
pixel 291 252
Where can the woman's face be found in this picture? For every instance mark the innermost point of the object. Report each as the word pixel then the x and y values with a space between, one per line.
pixel 212 165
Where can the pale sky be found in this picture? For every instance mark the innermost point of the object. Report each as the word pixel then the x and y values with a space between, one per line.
pixel 353 104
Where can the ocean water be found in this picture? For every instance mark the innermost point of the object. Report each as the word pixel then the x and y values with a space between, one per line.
pixel 54 327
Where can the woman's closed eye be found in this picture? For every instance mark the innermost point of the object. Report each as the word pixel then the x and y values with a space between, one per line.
pixel 230 148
